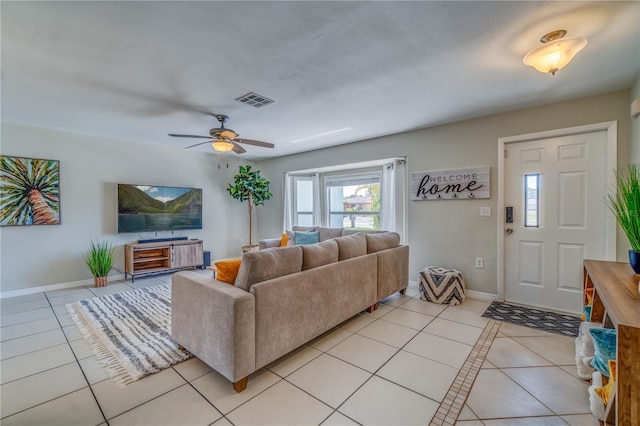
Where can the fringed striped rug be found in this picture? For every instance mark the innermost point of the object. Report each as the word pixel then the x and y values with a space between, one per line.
pixel 130 332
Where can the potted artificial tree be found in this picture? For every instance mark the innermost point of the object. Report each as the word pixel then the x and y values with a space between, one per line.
pixel 625 205
pixel 100 258
pixel 249 186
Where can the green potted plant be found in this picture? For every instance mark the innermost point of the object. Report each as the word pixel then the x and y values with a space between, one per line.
pixel 249 186
pixel 100 257
pixel 625 205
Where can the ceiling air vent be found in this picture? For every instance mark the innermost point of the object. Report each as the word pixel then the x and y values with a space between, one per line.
pixel 255 100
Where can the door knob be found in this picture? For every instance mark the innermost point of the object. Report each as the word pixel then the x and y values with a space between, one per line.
pixel 509 231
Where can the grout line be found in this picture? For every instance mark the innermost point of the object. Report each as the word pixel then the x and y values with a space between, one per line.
pixel 79 366
pixel 456 397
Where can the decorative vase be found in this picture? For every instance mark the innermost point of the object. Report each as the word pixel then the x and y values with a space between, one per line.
pixel 99 281
pixel 634 260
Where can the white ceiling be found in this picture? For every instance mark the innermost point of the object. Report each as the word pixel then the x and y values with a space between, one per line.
pixel 346 71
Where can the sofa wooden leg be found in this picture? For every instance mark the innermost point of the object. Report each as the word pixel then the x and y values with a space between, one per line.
pixel 241 384
pixel 403 291
pixel 376 306
pixel 180 347
pixel 371 308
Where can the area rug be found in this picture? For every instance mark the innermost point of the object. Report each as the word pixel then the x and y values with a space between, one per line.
pixel 553 322
pixel 130 332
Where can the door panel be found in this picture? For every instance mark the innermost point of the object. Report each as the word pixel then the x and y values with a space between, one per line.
pixel 559 217
pixel 571 200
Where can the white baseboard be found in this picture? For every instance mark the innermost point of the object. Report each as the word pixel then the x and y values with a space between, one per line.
pixel 481 296
pixel 471 294
pixel 52 287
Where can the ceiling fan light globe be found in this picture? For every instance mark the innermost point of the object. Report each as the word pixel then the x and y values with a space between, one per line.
pixel 555 55
pixel 222 146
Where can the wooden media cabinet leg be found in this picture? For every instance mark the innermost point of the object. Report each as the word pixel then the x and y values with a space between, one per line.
pixel 241 384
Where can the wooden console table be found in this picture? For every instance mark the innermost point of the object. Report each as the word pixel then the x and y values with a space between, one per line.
pixel 616 303
pixel 161 257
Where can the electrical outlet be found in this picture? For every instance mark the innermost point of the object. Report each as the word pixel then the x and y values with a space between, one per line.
pixel 479 262
pixel 485 211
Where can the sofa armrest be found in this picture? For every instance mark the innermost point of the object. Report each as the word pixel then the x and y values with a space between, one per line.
pixel 215 321
pixel 270 242
pixel 393 270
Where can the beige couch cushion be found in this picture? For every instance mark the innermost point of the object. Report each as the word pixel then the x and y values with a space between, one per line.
pixel 303 228
pixel 329 233
pixel 352 246
pixel 379 242
pixel 314 255
pixel 361 231
pixel 263 265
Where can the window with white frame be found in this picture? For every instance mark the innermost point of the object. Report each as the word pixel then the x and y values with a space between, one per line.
pixel 303 201
pixel 356 196
pixel 353 201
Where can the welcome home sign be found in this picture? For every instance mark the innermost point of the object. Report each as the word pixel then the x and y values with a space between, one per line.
pixel 461 184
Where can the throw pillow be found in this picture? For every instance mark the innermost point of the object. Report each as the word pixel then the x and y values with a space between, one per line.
pixel 303 238
pixel 285 240
pixel 606 391
pixel 586 313
pixel 329 233
pixel 227 270
pixel 604 342
pixel 291 238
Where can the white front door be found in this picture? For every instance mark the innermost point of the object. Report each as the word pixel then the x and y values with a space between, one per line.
pixel 556 188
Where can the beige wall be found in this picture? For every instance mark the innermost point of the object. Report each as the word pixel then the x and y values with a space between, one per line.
pixel 90 167
pixel 451 233
pixel 635 125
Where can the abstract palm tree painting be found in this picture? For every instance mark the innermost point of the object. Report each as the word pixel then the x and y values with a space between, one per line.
pixel 29 191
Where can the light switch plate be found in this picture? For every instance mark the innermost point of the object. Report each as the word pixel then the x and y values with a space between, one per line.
pixel 485 211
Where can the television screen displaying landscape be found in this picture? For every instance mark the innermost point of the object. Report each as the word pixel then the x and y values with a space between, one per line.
pixel 144 208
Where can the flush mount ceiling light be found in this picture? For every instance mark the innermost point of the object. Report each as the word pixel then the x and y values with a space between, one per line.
pixel 555 53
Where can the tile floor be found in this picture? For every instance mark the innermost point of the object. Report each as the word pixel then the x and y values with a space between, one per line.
pixel 394 366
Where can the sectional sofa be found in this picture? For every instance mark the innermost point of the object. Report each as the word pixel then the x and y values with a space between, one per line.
pixel 282 298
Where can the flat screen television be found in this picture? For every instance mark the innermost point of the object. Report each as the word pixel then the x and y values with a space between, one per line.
pixel 149 208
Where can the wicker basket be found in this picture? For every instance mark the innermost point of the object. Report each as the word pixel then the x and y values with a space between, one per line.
pixel 99 281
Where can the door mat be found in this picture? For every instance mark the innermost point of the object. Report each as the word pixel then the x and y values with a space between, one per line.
pixel 130 332
pixel 553 322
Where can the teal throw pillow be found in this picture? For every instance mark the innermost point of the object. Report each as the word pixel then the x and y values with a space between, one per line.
pixel 587 313
pixel 304 238
pixel 604 342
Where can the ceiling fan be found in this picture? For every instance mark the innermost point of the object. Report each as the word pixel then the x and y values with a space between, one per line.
pixel 223 139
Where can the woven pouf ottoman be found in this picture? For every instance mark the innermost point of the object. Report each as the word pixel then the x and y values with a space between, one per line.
pixel 441 285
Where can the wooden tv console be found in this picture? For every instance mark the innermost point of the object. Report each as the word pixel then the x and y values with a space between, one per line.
pixel 616 304
pixel 161 257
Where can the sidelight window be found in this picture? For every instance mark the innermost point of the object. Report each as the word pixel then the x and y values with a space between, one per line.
pixel 532 200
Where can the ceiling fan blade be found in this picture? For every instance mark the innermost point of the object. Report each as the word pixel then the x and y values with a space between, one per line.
pixel 255 143
pixel 198 144
pixel 238 149
pixel 189 136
